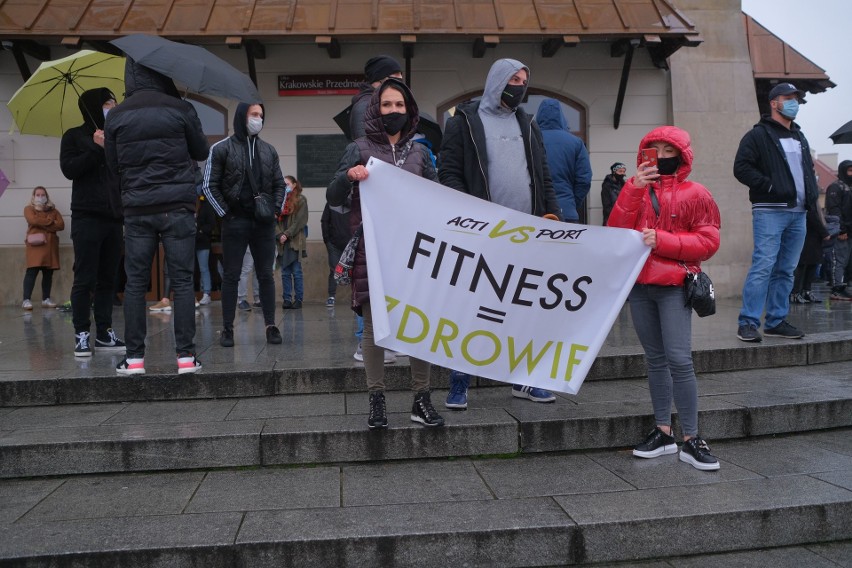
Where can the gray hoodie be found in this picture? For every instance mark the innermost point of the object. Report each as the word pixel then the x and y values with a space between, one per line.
pixel 509 178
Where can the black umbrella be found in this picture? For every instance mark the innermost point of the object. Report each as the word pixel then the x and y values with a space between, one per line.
pixel 427 127
pixel 843 135
pixel 192 66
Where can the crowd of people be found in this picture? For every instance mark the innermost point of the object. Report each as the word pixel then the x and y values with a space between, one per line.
pixel 135 179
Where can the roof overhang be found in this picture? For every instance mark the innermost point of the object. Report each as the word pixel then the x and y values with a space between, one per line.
pixel 334 23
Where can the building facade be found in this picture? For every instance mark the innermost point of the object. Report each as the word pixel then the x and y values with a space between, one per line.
pixel 621 69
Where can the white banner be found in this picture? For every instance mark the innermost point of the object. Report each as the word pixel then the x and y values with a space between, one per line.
pixel 476 287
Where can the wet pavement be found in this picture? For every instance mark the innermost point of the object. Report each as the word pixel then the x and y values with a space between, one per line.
pixel 40 343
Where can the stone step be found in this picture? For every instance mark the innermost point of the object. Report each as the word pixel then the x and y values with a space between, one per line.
pixel 583 508
pixel 331 428
pixel 215 381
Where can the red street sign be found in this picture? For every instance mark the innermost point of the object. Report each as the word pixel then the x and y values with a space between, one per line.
pixel 307 85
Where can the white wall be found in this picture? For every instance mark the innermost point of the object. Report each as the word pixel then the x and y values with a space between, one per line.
pixel 440 72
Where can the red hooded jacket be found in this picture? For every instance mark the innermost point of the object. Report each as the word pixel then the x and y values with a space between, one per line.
pixel 688 224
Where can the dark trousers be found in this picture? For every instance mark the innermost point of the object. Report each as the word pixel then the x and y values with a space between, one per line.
pixel 333 257
pixel 237 234
pixel 142 234
pixel 46 281
pixel 97 253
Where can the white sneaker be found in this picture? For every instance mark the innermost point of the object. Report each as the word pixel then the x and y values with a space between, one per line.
pixel 205 299
pixel 188 364
pixel 131 367
pixel 390 357
pixel 47 303
pixel 27 305
pixel 359 355
pixel 162 306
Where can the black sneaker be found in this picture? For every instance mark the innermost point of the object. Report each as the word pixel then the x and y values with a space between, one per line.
pixel 227 338
pixel 658 443
pixel 810 298
pixel 244 306
pixel 748 332
pixel 286 305
pixel 784 330
pixel 273 335
pixel 422 410
pixel 297 305
pixel 82 345
pixel 109 342
pixel 840 294
pixel 378 413
pixel 696 453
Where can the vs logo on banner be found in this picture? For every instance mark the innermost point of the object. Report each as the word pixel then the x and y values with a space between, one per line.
pixel 476 287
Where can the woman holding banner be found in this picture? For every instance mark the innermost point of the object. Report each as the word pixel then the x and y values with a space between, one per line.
pixel 680 221
pixel 390 122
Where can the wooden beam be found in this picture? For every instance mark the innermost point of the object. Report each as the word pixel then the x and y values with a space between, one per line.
pixel 119 22
pixel 480 44
pixel 498 14
pixel 550 46
pixel 83 12
pixel 622 86
pixel 330 44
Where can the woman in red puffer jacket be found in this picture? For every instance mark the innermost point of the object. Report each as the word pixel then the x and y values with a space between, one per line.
pixel 680 221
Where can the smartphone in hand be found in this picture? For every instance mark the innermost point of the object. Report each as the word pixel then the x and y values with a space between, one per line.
pixel 650 155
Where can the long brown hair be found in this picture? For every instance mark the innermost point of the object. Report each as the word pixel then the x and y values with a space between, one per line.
pixel 292 201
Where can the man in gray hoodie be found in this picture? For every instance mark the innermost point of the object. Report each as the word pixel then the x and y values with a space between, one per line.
pixel 484 144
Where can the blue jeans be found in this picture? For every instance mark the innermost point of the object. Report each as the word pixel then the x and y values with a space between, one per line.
pixel 237 234
pixel 778 240
pixel 291 277
pixel 176 229
pixel 203 256
pixel 664 327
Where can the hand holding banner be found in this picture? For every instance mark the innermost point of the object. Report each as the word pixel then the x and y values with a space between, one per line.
pixel 476 287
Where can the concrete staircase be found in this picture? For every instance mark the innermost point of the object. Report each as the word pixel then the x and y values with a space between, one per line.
pixel 277 468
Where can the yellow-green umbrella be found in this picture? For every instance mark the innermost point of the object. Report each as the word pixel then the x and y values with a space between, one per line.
pixel 47 103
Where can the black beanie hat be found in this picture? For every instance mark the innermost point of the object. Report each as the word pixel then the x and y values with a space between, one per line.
pixel 380 67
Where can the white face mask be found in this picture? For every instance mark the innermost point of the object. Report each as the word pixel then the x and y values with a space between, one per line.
pixel 254 125
pixel 40 200
pixel 106 112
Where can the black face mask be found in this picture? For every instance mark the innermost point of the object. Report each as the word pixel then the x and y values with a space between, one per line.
pixel 394 122
pixel 513 95
pixel 668 166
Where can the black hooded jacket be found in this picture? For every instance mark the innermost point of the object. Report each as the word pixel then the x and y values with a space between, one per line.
pixel 838 197
pixel 94 188
pixel 153 139
pixel 405 154
pixel 761 165
pixel 226 185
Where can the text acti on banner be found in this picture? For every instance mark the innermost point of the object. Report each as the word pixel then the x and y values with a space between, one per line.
pixel 476 287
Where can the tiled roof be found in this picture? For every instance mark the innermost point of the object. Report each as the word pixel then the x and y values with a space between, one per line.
pixel 274 20
pixel 775 61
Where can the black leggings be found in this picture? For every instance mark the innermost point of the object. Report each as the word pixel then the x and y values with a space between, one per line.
pixel 46 281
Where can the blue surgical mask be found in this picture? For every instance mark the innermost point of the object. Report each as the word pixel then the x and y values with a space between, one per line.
pixel 790 109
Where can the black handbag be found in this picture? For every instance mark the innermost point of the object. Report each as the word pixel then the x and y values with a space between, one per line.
pixel 699 294
pixel 264 212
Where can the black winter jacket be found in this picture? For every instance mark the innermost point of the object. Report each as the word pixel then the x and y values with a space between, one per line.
pixel 342 191
pixel 838 198
pixel 336 228
pixel 152 141
pixel 761 164
pixel 464 158
pixel 228 165
pixel 610 188
pixel 360 102
pixel 94 188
